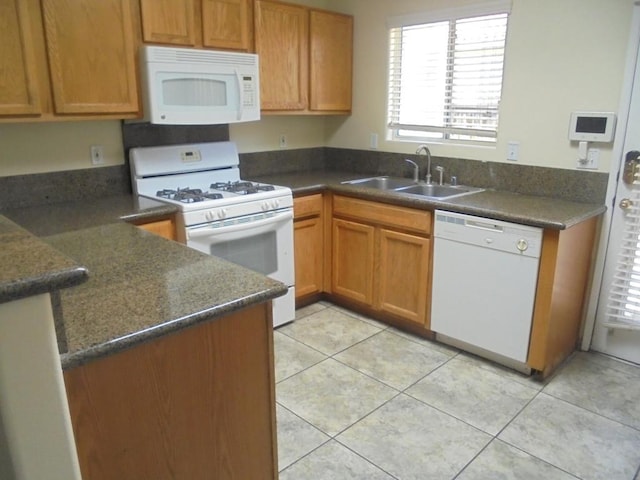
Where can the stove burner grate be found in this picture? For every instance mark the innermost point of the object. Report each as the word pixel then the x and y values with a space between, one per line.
pixel 187 195
pixel 242 187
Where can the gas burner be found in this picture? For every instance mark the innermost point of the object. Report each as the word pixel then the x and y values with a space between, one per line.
pixel 187 195
pixel 242 187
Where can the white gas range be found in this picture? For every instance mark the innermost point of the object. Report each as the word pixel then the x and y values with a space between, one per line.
pixel 250 224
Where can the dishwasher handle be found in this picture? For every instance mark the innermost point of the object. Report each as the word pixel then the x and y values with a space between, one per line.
pixel 483 225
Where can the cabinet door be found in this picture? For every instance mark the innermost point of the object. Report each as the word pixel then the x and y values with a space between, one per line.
pixel 331 52
pixel 308 236
pixel 90 45
pixel 281 36
pixel 19 93
pixel 227 24
pixel 353 260
pixel 403 275
pixel 168 21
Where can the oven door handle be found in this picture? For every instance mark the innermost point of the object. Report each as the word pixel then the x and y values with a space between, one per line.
pixel 209 231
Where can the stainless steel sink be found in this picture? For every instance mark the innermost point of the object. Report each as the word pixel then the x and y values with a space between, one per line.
pixel 438 191
pixel 382 183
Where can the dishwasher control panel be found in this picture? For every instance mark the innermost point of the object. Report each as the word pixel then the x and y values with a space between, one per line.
pixel 488 233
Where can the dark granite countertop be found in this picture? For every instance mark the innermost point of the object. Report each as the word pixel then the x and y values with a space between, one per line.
pixel 31 267
pixel 142 286
pixel 531 210
pixel 44 220
pixel 139 286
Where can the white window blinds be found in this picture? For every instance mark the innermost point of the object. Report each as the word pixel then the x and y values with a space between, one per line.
pixel 445 78
pixel 624 297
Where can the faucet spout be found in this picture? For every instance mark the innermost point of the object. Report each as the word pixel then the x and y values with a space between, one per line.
pixel 416 170
pixel 424 149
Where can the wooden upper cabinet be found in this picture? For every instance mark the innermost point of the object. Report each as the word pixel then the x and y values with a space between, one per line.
pixel 281 38
pixel 168 21
pixel 91 50
pixel 227 24
pixel 306 58
pixel 331 53
pixel 19 90
pixel 222 24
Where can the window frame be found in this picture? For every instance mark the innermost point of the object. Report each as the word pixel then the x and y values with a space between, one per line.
pixel 443 134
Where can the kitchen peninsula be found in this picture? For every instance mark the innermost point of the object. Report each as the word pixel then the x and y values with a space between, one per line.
pixel 167 353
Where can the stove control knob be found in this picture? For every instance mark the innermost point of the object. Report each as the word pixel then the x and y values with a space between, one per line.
pixel 265 206
pixel 275 203
pixel 209 216
pixel 222 213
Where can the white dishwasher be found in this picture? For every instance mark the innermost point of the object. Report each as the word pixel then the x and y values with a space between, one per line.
pixel 484 282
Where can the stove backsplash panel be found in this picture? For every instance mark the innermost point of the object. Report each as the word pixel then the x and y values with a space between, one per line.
pixel 142 134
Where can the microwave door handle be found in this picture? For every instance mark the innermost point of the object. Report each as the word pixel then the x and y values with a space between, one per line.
pixel 207 232
pixel 240 94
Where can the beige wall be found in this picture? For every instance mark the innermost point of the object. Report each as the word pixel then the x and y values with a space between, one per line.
pixel 48 147
pixel 561 56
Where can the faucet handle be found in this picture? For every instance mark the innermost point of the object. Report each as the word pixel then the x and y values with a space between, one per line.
pixel 440 171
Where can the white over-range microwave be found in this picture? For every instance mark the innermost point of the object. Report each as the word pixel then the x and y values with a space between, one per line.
pixel 184 86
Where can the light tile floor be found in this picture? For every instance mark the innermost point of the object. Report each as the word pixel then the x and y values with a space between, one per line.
pixel 360 400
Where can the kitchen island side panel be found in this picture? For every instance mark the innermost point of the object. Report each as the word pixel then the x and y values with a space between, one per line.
pixel 195 404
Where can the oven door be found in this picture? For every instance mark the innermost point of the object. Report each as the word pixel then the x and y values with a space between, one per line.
pixel 263 243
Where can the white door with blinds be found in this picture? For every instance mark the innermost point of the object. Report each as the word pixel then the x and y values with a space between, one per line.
pixel 617 329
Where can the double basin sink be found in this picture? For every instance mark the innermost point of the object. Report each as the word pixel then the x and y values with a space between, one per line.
pixel 406 186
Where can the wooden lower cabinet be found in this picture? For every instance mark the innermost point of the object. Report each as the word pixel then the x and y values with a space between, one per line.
pixel 196 404
pixel 353 260
pixel 403 279
pixel 309 251
pixel 308 256
pixel 381 257
pixel 563 284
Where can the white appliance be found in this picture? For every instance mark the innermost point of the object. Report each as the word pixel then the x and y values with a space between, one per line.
pixel 250 224
pixel 484 283
pixel 183 86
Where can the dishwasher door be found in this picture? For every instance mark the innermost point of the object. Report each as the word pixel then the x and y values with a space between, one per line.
pixel 484 282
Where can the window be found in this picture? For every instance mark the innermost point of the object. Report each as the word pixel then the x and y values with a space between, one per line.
pixel 445 77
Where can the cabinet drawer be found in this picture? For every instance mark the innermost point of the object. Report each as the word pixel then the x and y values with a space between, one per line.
pixel 307 206
pixel 379 213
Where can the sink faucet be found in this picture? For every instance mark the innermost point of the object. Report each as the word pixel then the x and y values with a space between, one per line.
pixel 416 170
pixel 424 149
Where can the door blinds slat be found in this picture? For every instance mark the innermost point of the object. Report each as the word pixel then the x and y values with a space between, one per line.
pixel 624 295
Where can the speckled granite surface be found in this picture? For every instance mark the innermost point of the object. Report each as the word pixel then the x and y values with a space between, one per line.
pixel 142 286
pixel 139 285
pixel 31 267
pixel 531 210
pixel 43 220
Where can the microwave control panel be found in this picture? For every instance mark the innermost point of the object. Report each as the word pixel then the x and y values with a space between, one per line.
pixel 249 88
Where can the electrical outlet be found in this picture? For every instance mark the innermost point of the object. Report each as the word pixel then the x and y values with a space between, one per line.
pixel 283 141
pixel 591 162
pixel 97 154
pixel 513 150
